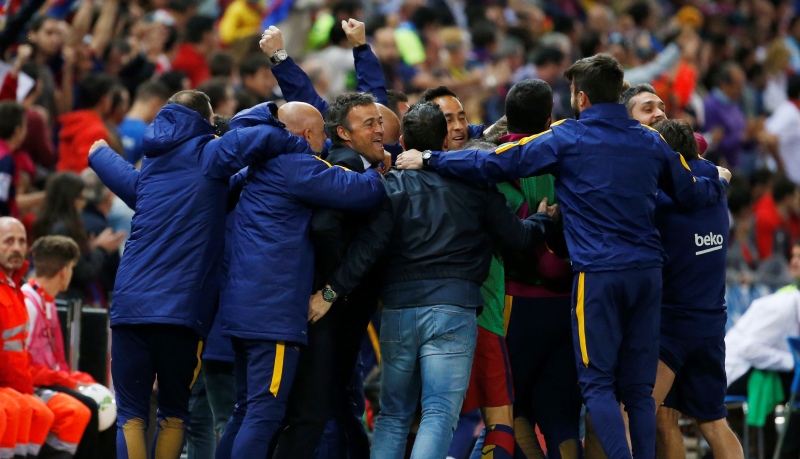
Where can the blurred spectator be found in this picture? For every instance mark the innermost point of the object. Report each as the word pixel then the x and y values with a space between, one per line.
pixel 201 39
pixel 724 118
pixel 80 129
pixel 258 84
pixel 120 104
pixel 12 133
pixel 792 41
pixel 776 65
pixel 99 201
pixel 776 221
pixel 61 215
pixel 784 123
pixel 39 141
pixel 742 260
pixel 337 59
pixel 47 37
pixel 221 65
pixel 220 91
pixel 150 97
pixel 242 18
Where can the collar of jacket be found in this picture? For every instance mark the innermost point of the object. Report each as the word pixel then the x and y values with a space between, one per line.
pixel 342 155
pixel 605 111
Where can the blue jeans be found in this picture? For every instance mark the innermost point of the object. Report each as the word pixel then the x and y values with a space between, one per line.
pixel 426 348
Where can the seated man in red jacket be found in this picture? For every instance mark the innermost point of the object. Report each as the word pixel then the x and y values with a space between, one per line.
pixel 58 414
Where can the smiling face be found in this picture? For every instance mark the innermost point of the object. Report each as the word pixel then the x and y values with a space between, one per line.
pixel 456 121
pixel 365 133
pixel 648 108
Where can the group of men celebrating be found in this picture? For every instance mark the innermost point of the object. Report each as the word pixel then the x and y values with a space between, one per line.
pixel 460 253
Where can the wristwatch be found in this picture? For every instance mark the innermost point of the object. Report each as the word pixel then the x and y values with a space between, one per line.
pixel 328 294
pixel 279 56
pixel 426 158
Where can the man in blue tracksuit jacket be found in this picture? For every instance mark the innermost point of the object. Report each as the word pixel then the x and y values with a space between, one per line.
pixel 608 169
pixel 693 312
pixel 168 280
pixel 264 304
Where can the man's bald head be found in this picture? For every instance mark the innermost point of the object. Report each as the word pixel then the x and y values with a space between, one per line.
pixel 303 120
pixel 13 245
pixel 391 125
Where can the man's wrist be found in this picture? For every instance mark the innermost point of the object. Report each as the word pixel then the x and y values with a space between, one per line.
pixel 278 56
pixel 361 47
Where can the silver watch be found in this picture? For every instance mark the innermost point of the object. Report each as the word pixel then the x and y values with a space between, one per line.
pixel 279 56
pixel 426 158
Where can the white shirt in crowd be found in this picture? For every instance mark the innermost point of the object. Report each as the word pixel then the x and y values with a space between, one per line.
pixel 758 339
pixel 785 124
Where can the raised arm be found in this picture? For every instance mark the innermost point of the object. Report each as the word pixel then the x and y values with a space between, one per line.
pixel 316 182
pixel 369 73
pixel 115 172
pixel 293 81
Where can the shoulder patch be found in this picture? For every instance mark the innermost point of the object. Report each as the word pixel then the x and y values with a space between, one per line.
pixel 510 145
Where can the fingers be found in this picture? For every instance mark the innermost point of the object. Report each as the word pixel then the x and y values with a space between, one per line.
pixel 542 205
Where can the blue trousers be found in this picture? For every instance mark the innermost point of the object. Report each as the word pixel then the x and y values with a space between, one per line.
pixel 615 328
pixel 211 405
pixel 139 354
pixel 264 374
pixel 539 341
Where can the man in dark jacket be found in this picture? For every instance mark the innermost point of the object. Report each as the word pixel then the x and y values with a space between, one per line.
pixel 265 312
pixel 436 235
pixel 167 284
pixel 327 363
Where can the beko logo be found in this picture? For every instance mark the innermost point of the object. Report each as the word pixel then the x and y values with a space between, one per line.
pixel 711 239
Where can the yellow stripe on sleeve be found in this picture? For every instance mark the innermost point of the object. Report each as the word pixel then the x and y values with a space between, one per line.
pixel 326 162
pixel 580 316
pixel 277 369
pixel 508 146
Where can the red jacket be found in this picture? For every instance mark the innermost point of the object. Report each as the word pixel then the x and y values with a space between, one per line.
pixel 193 64
pixel 79 130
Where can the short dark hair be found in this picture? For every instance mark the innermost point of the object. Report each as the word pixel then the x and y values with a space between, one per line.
pixel 51 254
pixel 197 27
pixel 599 76
pixel 216 89
pixel 529 104
pixel 630 93
pixel 37 22
pixel 793 86
pixel 250 64
pixel 424 127
pixel 339 109
pixel 679 136
pixel 336 36
pixel 724 73
pixel 434 93
pixel 12 115
pixel 181 6
pixel 548 55
pixel 93 87
pixel 150 90
pixel 222 125
pixel 193 100
pixel 782 188
pixel 394 97
pixel 220 64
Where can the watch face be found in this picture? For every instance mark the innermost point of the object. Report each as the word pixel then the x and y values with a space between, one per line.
pixel 328 295
pixel 426 154
pixel 281 55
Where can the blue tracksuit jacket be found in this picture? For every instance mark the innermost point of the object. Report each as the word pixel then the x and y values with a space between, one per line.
pixel 608 169
pixel 169 272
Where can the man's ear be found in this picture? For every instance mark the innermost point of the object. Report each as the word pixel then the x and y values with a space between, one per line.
pixel 343 133
pixel 548 122
pixel 444 144
pixel 402 142
pixel 307 135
